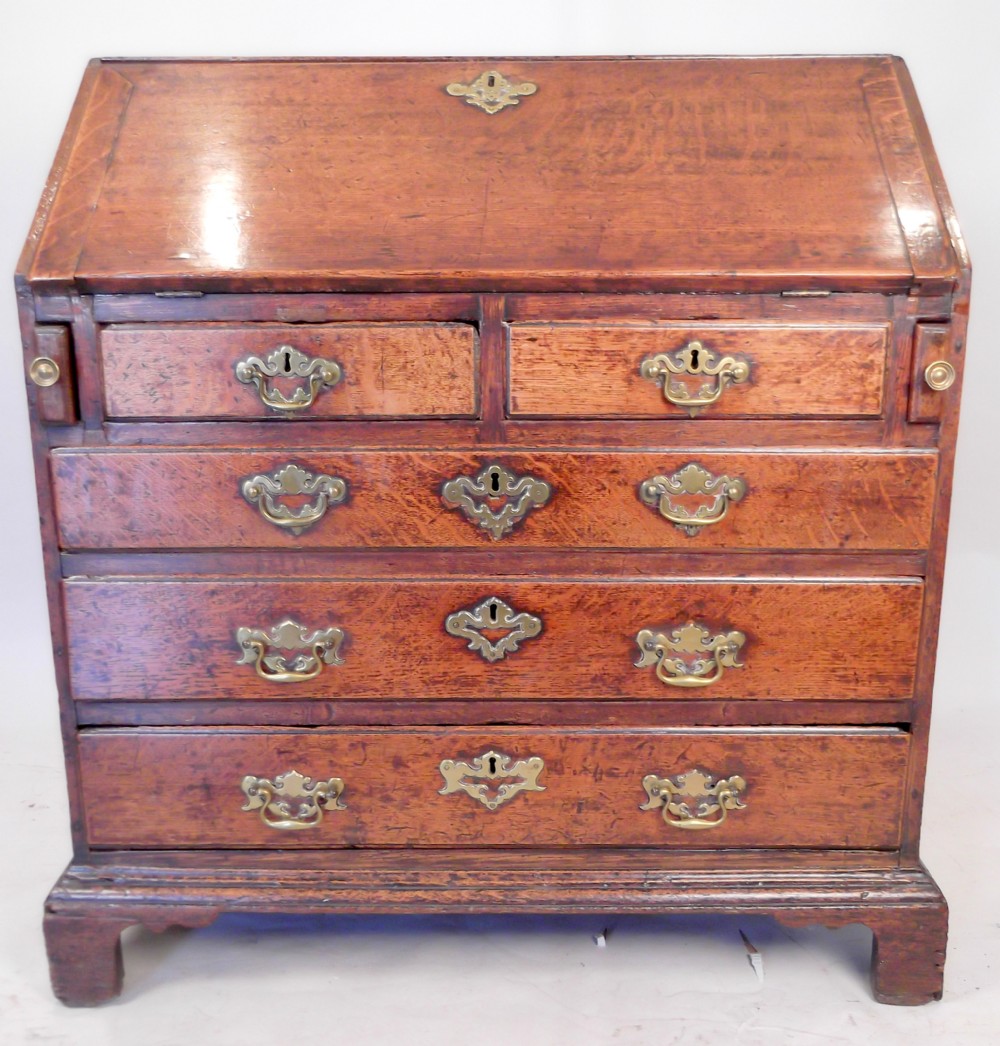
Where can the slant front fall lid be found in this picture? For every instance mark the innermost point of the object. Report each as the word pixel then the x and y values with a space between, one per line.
pixel 658 174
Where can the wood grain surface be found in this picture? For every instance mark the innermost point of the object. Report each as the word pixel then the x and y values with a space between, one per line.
pixel 147 499
pixel 354 181
pixel 169 788
pixel 565 370
pixel 389 370
pixel 159 640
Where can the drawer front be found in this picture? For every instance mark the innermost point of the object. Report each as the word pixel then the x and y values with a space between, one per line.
pixel 737 500
pixel 168 788
pixel 585 371
pixel 290 371
pixel 494 638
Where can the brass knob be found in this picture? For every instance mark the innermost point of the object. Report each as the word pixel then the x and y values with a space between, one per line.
pixel 940 375
pixel 43 372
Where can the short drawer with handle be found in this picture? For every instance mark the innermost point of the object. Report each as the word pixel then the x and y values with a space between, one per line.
pixel 346 370
pixel 713 788
pixel 693 370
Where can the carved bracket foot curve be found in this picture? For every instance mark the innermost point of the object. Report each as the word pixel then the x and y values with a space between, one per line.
pixel 908 947
pixel 84 947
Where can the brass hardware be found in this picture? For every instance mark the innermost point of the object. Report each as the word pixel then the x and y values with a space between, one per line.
pixel 694 481
pixel 686 640
pixel 690 800
pixel 940 375
pixel 293 481
pixel 287 362
pixel 271 798
pixel 493 614
pixel 493 483
pixel 692 360
pixel 318 648
pixel 488 767
pixel 492 91
pixel 43 372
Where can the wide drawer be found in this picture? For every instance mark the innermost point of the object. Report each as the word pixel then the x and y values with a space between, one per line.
pixel 493 638
pixel 740 500
pixel 590 371
pixel 269 370
pixel 716 788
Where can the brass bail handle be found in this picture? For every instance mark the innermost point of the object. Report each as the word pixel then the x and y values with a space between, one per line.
pixel 689 655
pixel 313 374
pixel 292 480
pixel 291 801
pixel 289 652
pixel 666 493
pixel 692 360
pixel 693 800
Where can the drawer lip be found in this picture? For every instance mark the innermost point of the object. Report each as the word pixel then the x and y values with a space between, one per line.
pixel 796 370
pixel 590 787
pixel 843 499
pixel 181 638
pixel 185 372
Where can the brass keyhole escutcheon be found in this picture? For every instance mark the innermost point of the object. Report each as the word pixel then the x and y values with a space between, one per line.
pixel 495 499
pixel 491 91
pixel 493 615
pixel 492 778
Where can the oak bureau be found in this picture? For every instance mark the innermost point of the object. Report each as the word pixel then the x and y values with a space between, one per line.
pixel 495 485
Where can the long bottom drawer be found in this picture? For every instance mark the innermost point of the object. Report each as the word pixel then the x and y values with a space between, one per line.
pixel 256 788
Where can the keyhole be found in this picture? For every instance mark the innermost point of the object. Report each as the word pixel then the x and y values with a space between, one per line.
pixel 491 81
pixel 694 359
pixel 287 360
pixel 495 482
pixel 493 613
pixel 493 764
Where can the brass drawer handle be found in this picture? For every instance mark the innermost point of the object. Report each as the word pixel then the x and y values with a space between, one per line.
pixel 679 654
pixel 515 496
pixel 292 801
pixel 691 801
pixel 493 615
pixel 692 360
pixel 476 777
pixel 694 482
pixel 311 650
pixel 293 481
pixel 287 362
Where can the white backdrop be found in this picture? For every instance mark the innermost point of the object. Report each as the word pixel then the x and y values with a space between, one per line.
pixel 951 50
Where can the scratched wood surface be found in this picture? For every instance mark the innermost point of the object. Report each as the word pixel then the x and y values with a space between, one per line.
pixel 192 499
pixel 161 371
pixel 804 788
pixel 563 370
pixel 352 181
pixel 136 640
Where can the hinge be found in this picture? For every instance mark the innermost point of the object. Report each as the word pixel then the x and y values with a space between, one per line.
pixel 806 294
pixel 178 294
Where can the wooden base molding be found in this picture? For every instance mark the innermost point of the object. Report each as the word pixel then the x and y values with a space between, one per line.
pixel 91 904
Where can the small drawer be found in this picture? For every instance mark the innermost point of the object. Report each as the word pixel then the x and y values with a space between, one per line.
pixel 344 370
pixel 328 788
pixel 493 638
pixel 280 499
pixel 704 370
